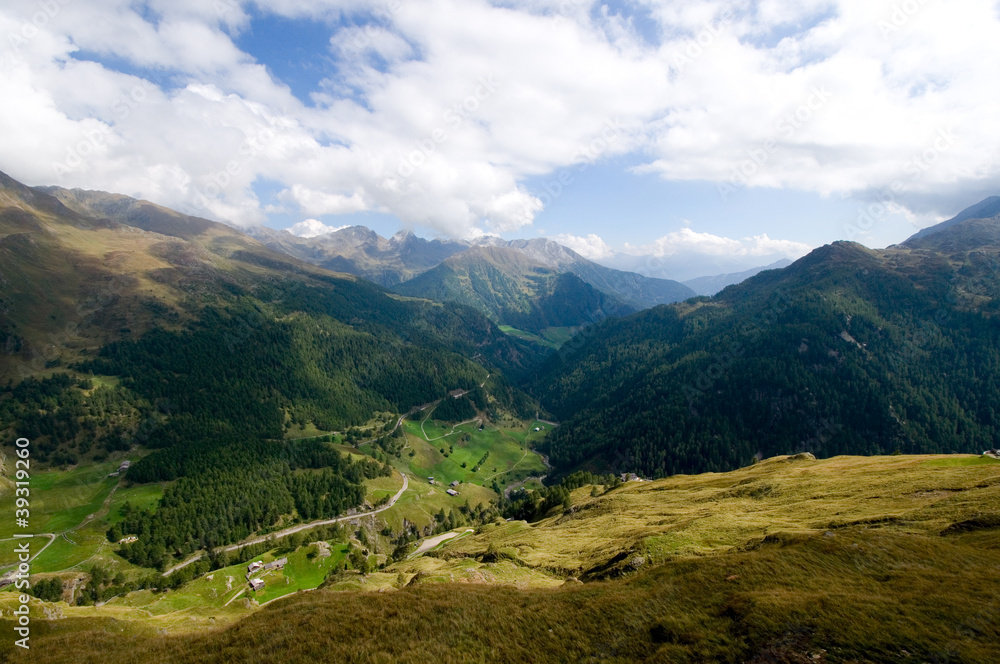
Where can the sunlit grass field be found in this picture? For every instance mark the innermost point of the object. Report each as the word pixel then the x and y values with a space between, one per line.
pixel 889 559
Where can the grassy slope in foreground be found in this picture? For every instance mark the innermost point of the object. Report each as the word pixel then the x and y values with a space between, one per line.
pixel 887 559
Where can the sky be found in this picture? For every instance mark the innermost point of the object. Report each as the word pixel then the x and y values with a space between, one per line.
pixel 742 132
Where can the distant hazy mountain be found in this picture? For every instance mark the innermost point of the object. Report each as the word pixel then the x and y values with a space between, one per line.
pixel 361 251
pixel 391 261
pixel 985 209
pixel 512 288
pixel 712 285
pixel 630 287
pixel 686 266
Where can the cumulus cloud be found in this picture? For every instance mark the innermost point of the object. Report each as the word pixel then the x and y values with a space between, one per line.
pixel 311 228
pixel 440 110
pixel 687 241
pixel 590 246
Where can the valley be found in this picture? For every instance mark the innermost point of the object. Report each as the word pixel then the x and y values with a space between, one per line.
pixel 756 476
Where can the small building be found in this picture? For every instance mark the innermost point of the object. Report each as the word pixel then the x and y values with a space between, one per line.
pixel 630 477
pixel 455 483
pixel 125 464
pixel 537 428
pixel 256 584
pixel 277 564
pixel 452 492
pixel 129 539
pixel 254 566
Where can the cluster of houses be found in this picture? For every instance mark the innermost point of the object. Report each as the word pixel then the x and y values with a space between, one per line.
pixel 451 491
pixel 121 469
pixel 260 566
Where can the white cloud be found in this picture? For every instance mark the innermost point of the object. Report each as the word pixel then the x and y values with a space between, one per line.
pixel 316 202
pixel 311 228
pixel 441 109
pixel 689 242
pixel 591 246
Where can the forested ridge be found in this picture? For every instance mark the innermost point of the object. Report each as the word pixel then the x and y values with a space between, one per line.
pixel 847 351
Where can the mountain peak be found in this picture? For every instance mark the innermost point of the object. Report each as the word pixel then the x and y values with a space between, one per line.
pixel 984 209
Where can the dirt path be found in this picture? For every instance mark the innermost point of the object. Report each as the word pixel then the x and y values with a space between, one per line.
pixel 518 485
pixel 429 544
pixel 294 529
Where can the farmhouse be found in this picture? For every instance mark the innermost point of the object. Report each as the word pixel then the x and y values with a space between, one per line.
pixel 129 539
pixel 256 584
pixel 254 566
pixel 277 564
pixel 452 492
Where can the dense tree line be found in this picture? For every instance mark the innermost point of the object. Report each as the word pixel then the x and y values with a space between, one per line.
pixel 455 410
pixel 841 353
pixel 229 492
pixel 531 505
pixel 66 418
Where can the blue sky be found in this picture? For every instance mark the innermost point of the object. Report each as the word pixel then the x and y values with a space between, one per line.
pixel 733 130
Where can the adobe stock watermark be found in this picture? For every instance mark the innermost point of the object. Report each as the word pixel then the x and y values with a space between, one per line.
pixel 47 10
pixel 585 157
pixel 97 139
pixel 254 143
pixel 786 128
pixel 886 200
pixel 707 377
pixel 383 16
pixel 824 433
pixel 703 40
pixel 51 353
pixel 453 119
pixel 900 15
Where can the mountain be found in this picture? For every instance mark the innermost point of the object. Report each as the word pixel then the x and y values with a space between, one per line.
pixel 361 251
pixel 714 284
pixel 189 312
pixel 630 287
pixel 684 266
pixel 846 351
pixel 512 289
pixel 358 250
pixel 984 209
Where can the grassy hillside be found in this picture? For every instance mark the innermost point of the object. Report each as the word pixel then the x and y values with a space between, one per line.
pixel 888 559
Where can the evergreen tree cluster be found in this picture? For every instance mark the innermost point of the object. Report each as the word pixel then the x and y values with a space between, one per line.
pixel 845 352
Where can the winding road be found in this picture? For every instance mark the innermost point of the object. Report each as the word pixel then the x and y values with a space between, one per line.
pixel 295 529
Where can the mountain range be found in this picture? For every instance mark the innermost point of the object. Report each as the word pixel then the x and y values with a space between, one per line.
pixel 846 351
pixel 262 399
pixel 513 282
